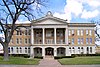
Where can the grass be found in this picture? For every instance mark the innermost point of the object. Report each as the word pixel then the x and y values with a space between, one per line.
pixel 80 60
pixel 20 61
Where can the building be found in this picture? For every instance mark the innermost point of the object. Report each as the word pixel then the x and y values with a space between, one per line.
pixel 50 35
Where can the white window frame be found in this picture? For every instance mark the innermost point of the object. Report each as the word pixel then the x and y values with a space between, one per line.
pixel 78 32
pixel 82 32
pixel 87 32
pixel 90 32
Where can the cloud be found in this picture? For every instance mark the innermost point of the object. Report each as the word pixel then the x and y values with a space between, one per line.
pixel 78 8
pixel 89 14
pixel 93 3
pixel 22 22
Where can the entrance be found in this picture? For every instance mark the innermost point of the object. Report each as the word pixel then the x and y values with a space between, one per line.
pixel 49 51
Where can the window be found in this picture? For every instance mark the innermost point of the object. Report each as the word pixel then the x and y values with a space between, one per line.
pixel 78 32
pixel 25 40
pixel 29 41
pixel 87 32
pixel 87 40
pixel 72 32
pixel 12 49
pixel 20 40
pixel 78 40
pixel 9 49
pixel 72 40
pixel 91 49
pixel 25 49
pixel 69 32
pixel 48 33
pixel 17 41
pixel 17 32
pixel 17 49
pixel 90 40
pixel 25 32
pixel 82 40
pixel 20 32
pixel 82 32
pixel 29 33
pixel 90 32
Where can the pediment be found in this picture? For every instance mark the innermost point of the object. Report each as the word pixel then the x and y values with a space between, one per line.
pixel 50 21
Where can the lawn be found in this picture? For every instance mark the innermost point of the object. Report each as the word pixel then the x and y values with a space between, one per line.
pixel 80 60
pixel 20 61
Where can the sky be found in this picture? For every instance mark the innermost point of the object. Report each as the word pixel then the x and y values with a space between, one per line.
pixel 73 10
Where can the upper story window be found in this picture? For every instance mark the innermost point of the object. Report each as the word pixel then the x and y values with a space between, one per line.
pixel 19 32
pixel 27 32
pixel 72 40
pixel 82 32
pixel 49 33
pixel 20 40
pixel 72 32
pixel 87 32
pixel 82 40
pixel 90 32
pixel 29 41
pixel 79 41
pixel 17 41
pixel 60 33
pixel 69 32
pixel 25 40
pixel 87 40
pixel 90 40
pixel 78 32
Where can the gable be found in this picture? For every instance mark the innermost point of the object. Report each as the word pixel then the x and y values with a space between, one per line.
pixel 50 21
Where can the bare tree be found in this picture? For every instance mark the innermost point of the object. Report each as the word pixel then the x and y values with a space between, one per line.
pixel 97 30
pixel 10 11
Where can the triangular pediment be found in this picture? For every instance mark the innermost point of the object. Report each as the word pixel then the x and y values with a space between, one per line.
pixel 49 19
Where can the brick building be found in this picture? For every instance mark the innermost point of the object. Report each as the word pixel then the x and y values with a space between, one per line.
pixel 50 35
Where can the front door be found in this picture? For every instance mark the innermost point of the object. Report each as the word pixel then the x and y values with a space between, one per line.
pixel 49 51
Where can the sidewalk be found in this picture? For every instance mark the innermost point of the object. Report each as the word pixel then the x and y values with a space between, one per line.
pixel 49 63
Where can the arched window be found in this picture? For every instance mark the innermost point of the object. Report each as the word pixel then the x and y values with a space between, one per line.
pixel 25 49
pixel 91 49
pixel 9 49
pixel 20 50
pixel 17 49
pixel 87 50
pixel 12 49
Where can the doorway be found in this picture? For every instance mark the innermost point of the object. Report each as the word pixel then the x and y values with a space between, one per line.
pixel 49 51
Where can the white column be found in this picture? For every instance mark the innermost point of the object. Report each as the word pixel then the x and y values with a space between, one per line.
pixel 43 52
pixel 43 35
pixel 31 52
pixel 55 36
pixel 55 51
pixel 32 35
pixel 67 51
pixel 85 50
pixel 66 36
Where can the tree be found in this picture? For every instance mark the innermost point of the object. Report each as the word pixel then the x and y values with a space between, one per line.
pixel 97 30
pixel 10 12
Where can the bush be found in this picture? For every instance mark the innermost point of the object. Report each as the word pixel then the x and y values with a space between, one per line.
pixel 39 57
pixel 26 56
pixel 60 57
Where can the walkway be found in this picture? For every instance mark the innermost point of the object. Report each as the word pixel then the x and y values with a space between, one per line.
pixel 50 62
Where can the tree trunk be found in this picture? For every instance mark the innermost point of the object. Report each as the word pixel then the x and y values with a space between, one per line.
pixel 6 55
